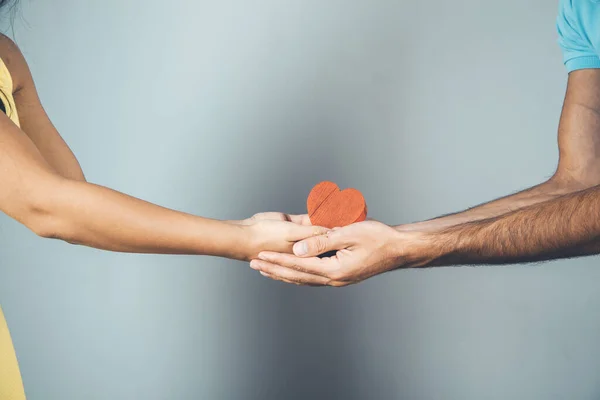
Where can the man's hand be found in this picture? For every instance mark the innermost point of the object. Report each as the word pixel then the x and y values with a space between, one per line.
pixel 362 250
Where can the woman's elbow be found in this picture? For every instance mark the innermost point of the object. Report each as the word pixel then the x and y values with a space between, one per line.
pixel 46 226
pixel 42 216
pixel 49 229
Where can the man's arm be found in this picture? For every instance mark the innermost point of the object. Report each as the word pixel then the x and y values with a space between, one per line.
pixel 579 157
pixel 558 219
pixel 568 226
pixel 562 225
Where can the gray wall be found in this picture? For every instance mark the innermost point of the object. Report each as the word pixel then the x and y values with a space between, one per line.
pixel 233 107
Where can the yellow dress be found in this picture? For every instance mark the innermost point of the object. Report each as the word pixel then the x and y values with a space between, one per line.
pixel 11 385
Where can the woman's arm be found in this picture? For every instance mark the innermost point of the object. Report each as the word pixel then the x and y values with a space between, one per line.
pixel 33 118
pixel 32 192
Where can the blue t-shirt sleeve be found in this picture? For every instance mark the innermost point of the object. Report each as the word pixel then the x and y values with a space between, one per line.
pixel 578 52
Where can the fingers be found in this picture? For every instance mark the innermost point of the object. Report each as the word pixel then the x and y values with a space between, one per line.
pixel 279 273
pixel 299 232
pixel 324 267
pixel 276 278
pixel 277 216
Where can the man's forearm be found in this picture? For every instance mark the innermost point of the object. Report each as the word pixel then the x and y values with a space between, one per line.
pixel 567 226
pixel 548 190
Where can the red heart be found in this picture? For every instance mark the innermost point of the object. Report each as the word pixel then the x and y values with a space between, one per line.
pixel 331 208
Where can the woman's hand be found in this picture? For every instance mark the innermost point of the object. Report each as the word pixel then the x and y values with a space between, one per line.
pixel 275 216
pixel 273 231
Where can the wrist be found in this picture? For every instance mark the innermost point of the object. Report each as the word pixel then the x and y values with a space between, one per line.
pixel 415 248
pixel 224 239
pixel 247 241
pixel 241 246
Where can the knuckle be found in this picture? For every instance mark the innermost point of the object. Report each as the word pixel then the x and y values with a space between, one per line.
pixel 320 244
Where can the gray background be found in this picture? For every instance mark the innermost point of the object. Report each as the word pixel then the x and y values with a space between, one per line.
pixel 232 107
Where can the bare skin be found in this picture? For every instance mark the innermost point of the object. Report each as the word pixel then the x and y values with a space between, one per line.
pixel 43 187
pixel 559 218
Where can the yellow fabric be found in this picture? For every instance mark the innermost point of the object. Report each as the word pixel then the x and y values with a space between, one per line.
pixel 11 385
pixel 6 86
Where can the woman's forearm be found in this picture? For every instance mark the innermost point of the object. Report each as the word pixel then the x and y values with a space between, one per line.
pixel 95 216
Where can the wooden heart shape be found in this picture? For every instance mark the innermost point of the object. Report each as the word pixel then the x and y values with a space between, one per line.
pixel 331 207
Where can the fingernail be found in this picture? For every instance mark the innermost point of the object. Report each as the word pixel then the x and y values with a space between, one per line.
pixel 254 265
pixel 264 274
pixel 300 249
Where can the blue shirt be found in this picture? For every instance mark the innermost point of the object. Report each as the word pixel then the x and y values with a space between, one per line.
pixel 578 25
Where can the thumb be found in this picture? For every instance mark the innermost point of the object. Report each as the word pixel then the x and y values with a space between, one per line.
pixel 318 245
